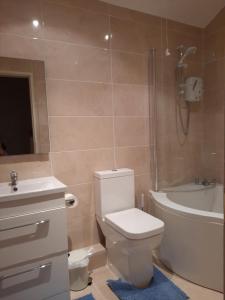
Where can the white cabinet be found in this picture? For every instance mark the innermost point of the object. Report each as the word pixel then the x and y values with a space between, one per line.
pixel 35 281
pixel 33 247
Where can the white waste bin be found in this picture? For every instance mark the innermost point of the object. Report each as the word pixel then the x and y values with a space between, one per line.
pixel 78 261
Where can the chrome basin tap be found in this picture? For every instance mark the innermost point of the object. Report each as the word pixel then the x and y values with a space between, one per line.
pixel 13 178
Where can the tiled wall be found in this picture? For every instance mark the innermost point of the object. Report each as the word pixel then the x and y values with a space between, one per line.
pixel 179 156
pixel 214 98
pixel 97 75
pixel 96 90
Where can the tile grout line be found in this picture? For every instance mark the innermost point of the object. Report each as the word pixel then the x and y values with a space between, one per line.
pixel 107 13
pixel 112 90
pixel 96 82
pixel 91 182
pixel 101 149
pixel 47 104
pixel 30 37
pixel 101 116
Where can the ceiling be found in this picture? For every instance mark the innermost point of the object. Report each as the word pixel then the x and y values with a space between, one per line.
pixel 194 12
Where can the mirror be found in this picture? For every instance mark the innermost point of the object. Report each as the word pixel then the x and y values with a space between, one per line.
pixel 23 107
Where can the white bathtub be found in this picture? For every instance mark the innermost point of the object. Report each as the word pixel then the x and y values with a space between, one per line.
pixel 192 245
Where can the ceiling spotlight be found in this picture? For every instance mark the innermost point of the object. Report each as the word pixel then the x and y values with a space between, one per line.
pixel 107 37
pixel 35 23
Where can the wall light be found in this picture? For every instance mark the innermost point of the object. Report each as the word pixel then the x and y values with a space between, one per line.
pixel 35 23
pixel 108 36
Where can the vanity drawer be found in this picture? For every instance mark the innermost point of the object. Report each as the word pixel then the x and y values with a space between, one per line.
pixel 36 281
pixel 32 236
pixel 23 206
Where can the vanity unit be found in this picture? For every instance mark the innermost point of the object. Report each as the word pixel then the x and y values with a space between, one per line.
pixel 33 241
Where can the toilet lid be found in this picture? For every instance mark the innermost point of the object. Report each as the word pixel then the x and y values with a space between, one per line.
pixel 134 223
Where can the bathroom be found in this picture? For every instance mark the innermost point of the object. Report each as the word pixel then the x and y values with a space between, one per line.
pixel 107 86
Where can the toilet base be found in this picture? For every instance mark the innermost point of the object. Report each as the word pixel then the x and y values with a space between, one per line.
pixel 131 261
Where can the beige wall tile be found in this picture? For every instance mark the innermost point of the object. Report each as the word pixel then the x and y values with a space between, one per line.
pixel 86 205
pixel 26 169
pixel 120 12
pixel 154 39
pixel 90 5
pixel 150 20
pixel 136 16
pixel 136 158
pixel 214 75
pixel 67 61
pixel 184 28
pixel 129 68
pixel 82 232
pixel 18 20
pixel 130 100
pixel 143 185
pixel 130 131
pixel 128 35
pixel 213 118
pixel 75 25
pixel 214 45
pixel 71 133
pixel 21 47
pixel 214 101
pixel 78 166
pixel 71 98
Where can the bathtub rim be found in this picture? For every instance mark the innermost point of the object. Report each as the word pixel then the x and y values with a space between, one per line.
pixel 190 188
pixel 161 199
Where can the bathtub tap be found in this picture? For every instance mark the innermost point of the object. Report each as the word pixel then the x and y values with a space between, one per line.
pixel 204 182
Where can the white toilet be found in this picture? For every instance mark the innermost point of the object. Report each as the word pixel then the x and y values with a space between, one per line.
pixel 130 233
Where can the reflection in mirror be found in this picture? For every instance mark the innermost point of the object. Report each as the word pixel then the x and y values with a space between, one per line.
pixel 23 113
pixel 16 134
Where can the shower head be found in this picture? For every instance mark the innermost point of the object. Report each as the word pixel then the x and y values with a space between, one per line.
pixel 185 53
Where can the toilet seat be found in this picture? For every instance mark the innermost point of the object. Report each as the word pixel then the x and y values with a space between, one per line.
pixel 135 224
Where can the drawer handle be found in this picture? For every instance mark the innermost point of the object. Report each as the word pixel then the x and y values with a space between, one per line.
pixel 26 225
pixel 38 268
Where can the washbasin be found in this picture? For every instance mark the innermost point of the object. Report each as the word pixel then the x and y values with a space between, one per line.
pixel 31 188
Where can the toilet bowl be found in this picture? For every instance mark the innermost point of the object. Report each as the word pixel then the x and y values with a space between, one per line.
pixel 130 233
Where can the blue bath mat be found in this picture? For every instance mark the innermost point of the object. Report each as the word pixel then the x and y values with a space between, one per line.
pixel 160 288
pixel 87 297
